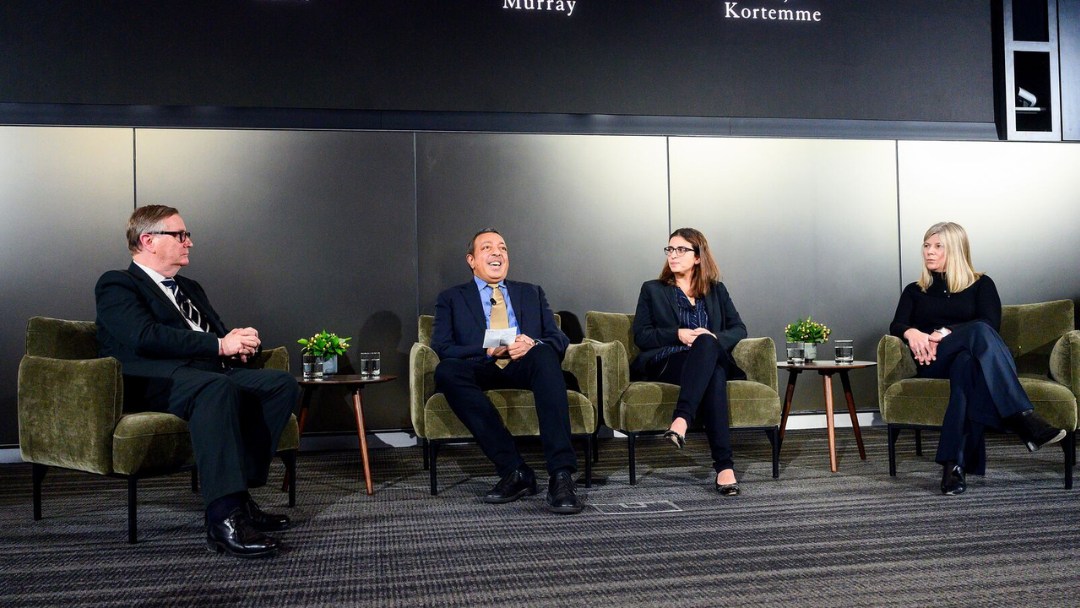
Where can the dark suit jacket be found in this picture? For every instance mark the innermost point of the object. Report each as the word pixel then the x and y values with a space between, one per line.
pixel 656 322
pixel 460 322
pixel 138 325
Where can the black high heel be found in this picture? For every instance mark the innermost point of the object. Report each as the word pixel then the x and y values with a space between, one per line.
pixel 677 439
pixel 728 489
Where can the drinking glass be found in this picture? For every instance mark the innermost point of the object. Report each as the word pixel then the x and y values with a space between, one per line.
pixel 370 364
pixel 795 353
pixel 313 367
pixel 845 351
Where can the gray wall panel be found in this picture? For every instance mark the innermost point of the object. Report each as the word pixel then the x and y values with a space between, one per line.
pixel 1018 201
pixel 63 193
pixel 296 232
pixel 799 227
pixel 584 216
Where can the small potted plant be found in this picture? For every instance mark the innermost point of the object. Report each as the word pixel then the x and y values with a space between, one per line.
pixel 326 346
pixel 810 333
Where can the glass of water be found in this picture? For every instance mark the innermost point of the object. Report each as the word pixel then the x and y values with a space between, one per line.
pixel 795 353
pixel 370 364
pixel 845 351
pixel 313 367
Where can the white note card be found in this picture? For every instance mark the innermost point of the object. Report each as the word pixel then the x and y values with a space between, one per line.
pixel 493 338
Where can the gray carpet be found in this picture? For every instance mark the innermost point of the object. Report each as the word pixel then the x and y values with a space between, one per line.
pixel 810 538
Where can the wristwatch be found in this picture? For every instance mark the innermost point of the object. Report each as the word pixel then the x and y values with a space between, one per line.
pixel 944 331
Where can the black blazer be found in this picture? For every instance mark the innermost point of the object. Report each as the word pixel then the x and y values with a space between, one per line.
pixel 460 324
pixel 137 324
pixel 656 321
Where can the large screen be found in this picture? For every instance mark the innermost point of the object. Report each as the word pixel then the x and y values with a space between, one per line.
pixel 895 60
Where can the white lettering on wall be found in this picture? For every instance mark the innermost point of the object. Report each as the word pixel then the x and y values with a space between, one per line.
pixel 558 6
pixel 732 10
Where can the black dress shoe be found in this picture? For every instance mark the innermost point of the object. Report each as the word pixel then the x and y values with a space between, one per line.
pixel 1033 430
pixel 677 439
pixel 952 480
pixel 512 487
pixel 237 536
pixel 561 497
pixel 263 521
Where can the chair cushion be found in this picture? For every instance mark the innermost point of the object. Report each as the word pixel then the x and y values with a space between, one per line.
pixel 1052 401
pixel 922 401
pixel 150 442
pixel 515 407
pixel 648 406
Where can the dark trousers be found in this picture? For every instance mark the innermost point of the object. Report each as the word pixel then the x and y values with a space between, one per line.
pixel 702 374
pixel 235 418
pixel 464 382
pixel 983 390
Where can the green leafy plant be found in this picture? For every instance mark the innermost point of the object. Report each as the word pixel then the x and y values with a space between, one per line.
pixel 324 344
pixel 807 330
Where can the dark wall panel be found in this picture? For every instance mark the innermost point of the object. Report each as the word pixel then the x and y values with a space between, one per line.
pixel 65 194
pixel 1069 53
pixel 585 217
pixel 296 232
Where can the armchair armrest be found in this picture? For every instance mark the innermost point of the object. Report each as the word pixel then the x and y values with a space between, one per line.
pixel 894 363
pixel 614 373
pixel 422 362
pixel 68 409
pixel 757 357
pixel 273 358
pixel 1065 361
pixel 580 360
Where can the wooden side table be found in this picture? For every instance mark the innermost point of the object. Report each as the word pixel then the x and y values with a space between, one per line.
pixel 826 369
pixel 357 382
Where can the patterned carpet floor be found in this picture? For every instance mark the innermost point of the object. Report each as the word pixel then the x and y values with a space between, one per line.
pixel 810 538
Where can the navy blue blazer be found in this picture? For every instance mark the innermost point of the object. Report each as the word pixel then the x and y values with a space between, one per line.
pixel 140 326
pixel 460 323
pixel 656 321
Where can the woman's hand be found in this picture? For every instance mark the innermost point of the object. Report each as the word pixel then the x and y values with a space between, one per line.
pixel 687 336
pixel 923 346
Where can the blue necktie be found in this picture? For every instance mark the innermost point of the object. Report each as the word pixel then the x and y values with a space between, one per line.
pixel 186 306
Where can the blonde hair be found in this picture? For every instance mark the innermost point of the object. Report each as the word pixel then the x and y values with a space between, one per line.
pixel 704 274
pixel 959 273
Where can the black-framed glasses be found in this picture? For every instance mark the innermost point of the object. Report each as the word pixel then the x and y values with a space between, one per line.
pixel 679 251
pixel 181 235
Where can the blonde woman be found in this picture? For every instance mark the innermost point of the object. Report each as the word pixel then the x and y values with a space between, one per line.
pixel 950 319
pixel 686 327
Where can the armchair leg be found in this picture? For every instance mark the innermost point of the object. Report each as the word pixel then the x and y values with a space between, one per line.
pixel 595 441
pixel 38 474
pixel 774 439
pixel 433 449
pixel 590 443
pixel 1069 447
pixel 195 480
pixel 894 432
pixel 288 458
pixel 424 449
pixel 631 438
pixel 133 526
pixel 918 442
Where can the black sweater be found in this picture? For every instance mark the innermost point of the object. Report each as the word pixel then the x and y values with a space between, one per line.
pixel 938 308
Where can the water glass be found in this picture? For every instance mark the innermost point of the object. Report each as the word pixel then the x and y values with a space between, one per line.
pixel 845 351
pixel 313 367
pixel 795 353
pixel 370 364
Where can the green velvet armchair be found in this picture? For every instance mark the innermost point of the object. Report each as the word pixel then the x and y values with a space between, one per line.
pixel 435 423
pixel 637 408
pixel 71 415
pixel 1047 353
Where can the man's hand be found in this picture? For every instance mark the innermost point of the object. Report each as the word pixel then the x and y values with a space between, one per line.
pixel 499 352
pixel 520 346
pixel 241 342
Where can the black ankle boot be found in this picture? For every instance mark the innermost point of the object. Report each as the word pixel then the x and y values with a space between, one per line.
pixel 952 479
pixel 1033 430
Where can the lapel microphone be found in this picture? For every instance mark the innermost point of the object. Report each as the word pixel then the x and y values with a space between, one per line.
pixel 493 301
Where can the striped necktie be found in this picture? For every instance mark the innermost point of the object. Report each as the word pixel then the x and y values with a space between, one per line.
pixel 499 319
pixel 186 307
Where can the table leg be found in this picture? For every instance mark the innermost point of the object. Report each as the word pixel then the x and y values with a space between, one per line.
pixel 305 401
pixel 827 378
pixel 792 375
pixel 851 410
pixel 362 433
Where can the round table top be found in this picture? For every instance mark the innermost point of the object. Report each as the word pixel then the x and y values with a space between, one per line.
pixel 826 364
pixel 346 379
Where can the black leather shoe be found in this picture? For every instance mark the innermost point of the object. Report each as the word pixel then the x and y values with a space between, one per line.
pixel 561 497
pixel 520 483
pixel 952 480
pixel 263 521
pixel 677 439
pixel 1033 430
pixel 237 536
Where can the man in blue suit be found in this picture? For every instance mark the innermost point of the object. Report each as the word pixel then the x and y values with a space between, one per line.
pixel 178 356
pixel 532 360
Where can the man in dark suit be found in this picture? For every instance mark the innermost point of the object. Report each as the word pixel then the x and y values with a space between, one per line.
pixel 178 356
pixel 532 360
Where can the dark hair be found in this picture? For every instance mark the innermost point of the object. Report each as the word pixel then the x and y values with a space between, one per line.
pixel 704 274
pixel 472 241
pixel 146 219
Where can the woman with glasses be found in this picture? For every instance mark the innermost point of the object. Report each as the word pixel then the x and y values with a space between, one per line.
pixel 686 327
